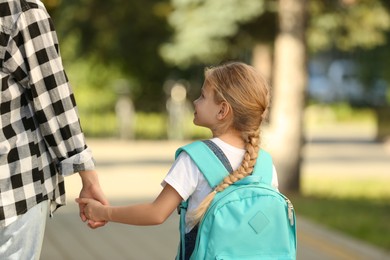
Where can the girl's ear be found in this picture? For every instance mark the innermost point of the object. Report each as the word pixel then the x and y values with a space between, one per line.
pixel 223 111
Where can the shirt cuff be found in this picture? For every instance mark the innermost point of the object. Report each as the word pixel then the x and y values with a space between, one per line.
pixel 79 162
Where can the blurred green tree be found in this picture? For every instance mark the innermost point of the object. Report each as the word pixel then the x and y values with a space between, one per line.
pixel 206 31
pixel 119 33
pixel 347 24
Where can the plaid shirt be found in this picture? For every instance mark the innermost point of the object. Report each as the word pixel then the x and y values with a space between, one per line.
pixel 41 140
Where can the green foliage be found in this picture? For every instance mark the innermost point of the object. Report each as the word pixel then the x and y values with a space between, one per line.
pixel 203 28
pixel 153 126
pixel 337 185
pixel 150 126
pixel 343 112
pixel 128 36
pixel 358 204
pixel 147 126
pixel 123 38
pixel 359 24
pixel 96 124
pixel 93 85
pixel 95 94
pixel 363 218
pixel 121 35
pixel 319 114
pixel 207 31
pixel 374 66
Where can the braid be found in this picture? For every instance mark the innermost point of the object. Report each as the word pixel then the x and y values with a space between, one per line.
pixel 252 146
pixel 246 167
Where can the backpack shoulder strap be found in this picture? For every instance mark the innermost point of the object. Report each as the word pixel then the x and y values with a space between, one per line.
pixel 264 167
pixel 211 167
pixel 220 154
pixel 207 161
pixel 213 163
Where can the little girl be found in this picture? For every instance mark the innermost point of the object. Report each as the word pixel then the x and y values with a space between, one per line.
pixel 233 103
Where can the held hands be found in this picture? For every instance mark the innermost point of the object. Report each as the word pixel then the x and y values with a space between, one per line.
pixel 91 190
pixel 94 211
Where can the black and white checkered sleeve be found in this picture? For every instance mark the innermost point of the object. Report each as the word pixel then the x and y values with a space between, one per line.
pixel 34 57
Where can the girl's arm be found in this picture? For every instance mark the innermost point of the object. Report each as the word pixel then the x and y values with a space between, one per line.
pixel 153 213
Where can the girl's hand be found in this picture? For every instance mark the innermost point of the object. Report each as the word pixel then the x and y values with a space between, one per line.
pixel 94 210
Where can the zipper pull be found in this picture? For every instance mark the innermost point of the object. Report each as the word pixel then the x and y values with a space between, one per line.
pixel 290 209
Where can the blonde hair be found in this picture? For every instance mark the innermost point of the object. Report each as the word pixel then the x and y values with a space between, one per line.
pixel 247 93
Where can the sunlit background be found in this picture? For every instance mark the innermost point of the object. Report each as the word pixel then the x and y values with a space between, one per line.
pixel 136 66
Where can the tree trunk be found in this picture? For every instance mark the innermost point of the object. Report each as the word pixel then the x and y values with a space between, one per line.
pixel 289 82
pixel 262 59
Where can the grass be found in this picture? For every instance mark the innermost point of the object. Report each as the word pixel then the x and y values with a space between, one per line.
pixel 344 186
pixel 146 126
pixel 320 115
pixel 359 208
pixel 365 219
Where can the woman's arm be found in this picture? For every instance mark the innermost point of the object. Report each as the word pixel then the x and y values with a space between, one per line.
pixel 153 213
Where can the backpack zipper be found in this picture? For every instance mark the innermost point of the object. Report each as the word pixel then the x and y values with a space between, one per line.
pixel 290 209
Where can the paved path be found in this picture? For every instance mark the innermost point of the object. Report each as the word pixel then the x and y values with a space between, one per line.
pixel 132 171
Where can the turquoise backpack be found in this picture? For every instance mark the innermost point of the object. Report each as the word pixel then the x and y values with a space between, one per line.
pixel 248 220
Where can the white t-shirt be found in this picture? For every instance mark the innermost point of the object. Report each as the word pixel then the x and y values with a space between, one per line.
pixel 185 177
